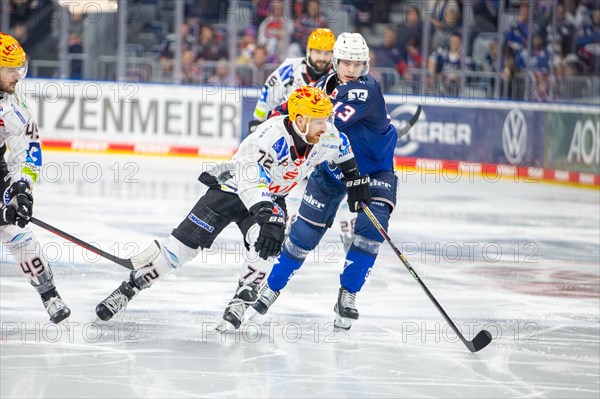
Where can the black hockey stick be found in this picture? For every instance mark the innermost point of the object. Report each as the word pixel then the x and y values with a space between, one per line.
pixel 133 263
pixel 411 122
pixel 481 340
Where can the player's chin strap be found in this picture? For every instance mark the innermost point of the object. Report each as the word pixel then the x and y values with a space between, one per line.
pixel 302 134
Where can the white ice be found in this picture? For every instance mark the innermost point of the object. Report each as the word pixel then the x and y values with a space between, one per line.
pixel 518 258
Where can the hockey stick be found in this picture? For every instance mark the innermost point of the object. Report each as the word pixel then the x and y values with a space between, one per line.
pixel 134 263
pixel 481 340
pixel 411 122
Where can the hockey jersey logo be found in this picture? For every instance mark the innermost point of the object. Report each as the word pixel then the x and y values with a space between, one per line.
pixel 358 95
pixel 286 72
pixel 281 148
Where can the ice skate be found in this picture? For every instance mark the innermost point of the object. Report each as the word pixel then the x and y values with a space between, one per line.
pixel 345 310
pixel 55 307
pixel 233 316
pixel 266 298
pixel 117 301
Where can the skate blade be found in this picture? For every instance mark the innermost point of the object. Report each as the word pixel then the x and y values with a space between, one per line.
pixel 64 324
pixel 225 327
pixel 342 323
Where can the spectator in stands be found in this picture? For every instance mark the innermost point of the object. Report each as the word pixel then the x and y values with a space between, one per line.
pixel 573 66
pixel 364 13
pixel 445 20
pixel 258 64
pixel 272 32
pixel 516 35
pixel 538 65
pixel 191 71
pixel 309 21
pixel 411 28
pixel 167 47
pixel 565 31
pixel 221 75
pixel 298 9
pixel 262 8
pixel 588 43
pixel 388 54
pixel 247 45
pixel 490 60
pixel 188 41
pixel 577 13
pixel 413 60
pixel 209 46
pixel 540 57
pixel 260 57
pixel 446 63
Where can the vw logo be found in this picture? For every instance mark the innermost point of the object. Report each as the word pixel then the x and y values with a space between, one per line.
pixel 514 136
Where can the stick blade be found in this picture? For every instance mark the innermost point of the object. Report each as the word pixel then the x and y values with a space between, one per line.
pixel 481 340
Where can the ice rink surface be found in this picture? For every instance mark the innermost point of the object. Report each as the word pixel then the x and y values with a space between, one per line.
pixel 518 258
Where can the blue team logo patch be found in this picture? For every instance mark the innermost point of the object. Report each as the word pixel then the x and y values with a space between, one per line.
pixel 286 72
pixel 264 176
pixel 345 146
pixel 201 223
pixel 264 94
pixel 34 154
pixel 281 148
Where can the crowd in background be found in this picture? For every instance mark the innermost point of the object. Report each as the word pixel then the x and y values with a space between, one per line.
pixel 560 49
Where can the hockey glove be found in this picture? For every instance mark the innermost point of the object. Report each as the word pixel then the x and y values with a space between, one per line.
pixel 252 125
pixel 21 200
pixel 8 215
pixel 209 180
pixel 272 229
pixel 358 191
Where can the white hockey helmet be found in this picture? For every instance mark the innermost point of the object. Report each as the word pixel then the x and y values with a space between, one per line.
pixel 351 47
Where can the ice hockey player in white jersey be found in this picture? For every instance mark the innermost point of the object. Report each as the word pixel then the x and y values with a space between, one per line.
pixel 20 164
pixel 294 73
pixel 250 190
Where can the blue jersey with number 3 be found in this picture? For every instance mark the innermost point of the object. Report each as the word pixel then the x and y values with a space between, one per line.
pixel 360 113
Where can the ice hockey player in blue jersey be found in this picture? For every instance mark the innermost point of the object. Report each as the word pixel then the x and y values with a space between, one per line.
pixel 360 113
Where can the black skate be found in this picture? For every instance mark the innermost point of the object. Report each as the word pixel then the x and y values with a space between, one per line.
pixel 117 301
pixel 245 296
pixel 55 307
pixel 266 299
pixel 345 310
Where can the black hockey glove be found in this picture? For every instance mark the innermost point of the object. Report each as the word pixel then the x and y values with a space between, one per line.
pixel 209 180
pixel 358 191
pixel 252 125
pixel 8 215
pixel 21 200
pixel 272 229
